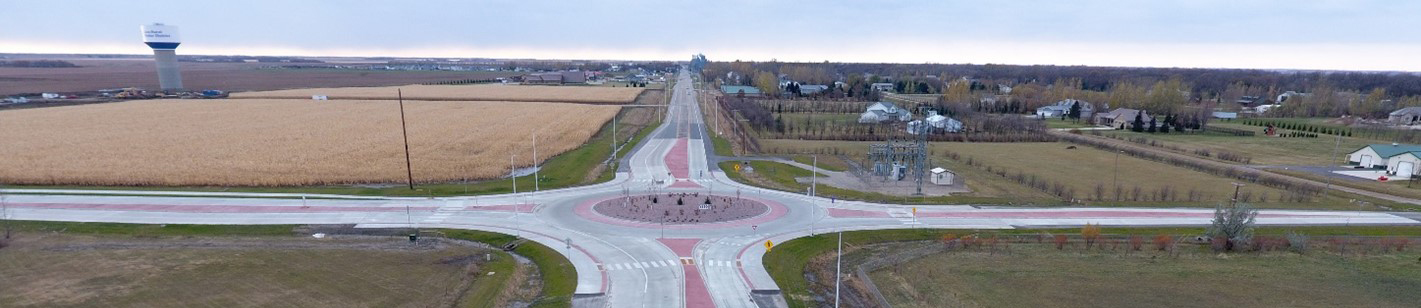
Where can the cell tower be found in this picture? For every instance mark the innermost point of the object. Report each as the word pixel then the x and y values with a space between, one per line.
pixel 164 40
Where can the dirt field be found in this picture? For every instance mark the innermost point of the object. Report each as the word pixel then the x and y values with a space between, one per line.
pixel 48 270
pixel 1038 275
pixel 256 142
pixel 498 92
pixel 105 74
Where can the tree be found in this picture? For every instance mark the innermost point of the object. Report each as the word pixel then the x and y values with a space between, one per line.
pixel 1164 126
pixel 1076 111
pixel 1233 224
pixel 1152 128
pixel 1139 124
pixel 1090 233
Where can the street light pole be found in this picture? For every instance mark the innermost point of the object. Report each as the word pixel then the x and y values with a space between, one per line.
pixel 1334 156
pixel 535 162
pixel 513 172
pixel 814 178
pixel 838 269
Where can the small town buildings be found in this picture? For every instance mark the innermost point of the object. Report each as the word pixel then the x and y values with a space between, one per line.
pixel 1399 160
pixel 941 176
pixel 1227 116
pixel 807 89
pixel 1063 107
pixel 1250 101
pixel 1289 95
pixel 1405 116
pixel 1120 118
pixel 884 112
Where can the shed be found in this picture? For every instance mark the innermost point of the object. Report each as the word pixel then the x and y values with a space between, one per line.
pixel 1405 116
pixel 942 176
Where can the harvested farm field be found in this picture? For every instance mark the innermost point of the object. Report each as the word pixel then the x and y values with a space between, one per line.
pixel 104 74
pixel 265 142
pixel 495 92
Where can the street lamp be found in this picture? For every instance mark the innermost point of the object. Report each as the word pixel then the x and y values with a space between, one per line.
pixel 1116 180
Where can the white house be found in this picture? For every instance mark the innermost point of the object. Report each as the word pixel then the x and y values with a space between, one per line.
pixel 884 112
pixel 1399 160
pixel 1063 107
pixel 943 123
pixel 883 86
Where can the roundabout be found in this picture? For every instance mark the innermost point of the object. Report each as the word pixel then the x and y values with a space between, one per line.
pixel 680 211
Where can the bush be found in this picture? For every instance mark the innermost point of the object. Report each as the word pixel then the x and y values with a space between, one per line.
pixel 1061 241
pixel 1297 242
pixel 1090 233
pixel 1164 242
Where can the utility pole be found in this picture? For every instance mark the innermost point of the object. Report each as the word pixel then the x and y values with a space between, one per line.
pixel 409 172
pixel 838 269
pixel 513 172
pixel 1116 181
pixel 1234 202
pixel 535 162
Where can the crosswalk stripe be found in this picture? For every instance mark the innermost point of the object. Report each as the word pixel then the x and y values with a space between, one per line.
pixel 643 265
pixel 637 265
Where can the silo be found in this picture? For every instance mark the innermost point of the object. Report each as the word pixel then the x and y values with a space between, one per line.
pixel 164 41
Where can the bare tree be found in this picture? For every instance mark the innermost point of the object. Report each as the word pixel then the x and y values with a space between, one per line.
pixel 1234 224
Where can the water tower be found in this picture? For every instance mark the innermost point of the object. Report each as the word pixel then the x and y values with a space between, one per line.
pixel 164 41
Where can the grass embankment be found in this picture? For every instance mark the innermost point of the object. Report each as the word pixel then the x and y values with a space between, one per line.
pixel 721 146
pixel 559 278
pixel 787 262
pixel 576 167
pixel 780 176
pixel 1059 123
pixel 827 162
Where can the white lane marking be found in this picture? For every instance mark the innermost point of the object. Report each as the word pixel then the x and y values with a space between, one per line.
pixel 637 265
pixel 643 265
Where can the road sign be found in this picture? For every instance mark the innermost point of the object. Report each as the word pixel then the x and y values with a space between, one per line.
pixel 768 244
pixel 915 211
pixel 737 167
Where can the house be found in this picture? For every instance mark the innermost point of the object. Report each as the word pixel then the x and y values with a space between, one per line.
pixel 1120 118
pixel 1063 107
pixel 737 90
pixel 1405 116
pixel 1289 95
pixel 884 112
pixel 943 123
pixel 941 176
pixel 882 86
pixel 1224 115
pixel 1250 101
pixel 1399 160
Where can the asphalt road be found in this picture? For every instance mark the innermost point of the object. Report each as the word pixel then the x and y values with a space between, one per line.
pixel 624 263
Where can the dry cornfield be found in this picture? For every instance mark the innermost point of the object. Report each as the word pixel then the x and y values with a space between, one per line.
pixel 261 142
pixel 497 92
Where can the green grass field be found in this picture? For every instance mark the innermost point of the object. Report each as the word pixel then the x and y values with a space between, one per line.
pixel 1068 123
pixel 1264 150
pixel 1080 169
pixel 1038 275
pixel 558 277
pixel 787 263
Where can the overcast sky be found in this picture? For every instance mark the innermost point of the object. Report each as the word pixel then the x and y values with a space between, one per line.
pixel 1299 34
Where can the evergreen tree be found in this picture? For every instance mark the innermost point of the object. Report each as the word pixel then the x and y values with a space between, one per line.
pixel 1164 127
pixel 1139 124
pixel 1076 110
pixel 1153 127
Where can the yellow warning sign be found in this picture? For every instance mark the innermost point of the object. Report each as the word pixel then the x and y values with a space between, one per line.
pixel 915 211
pixel 768 244
pixel 737 167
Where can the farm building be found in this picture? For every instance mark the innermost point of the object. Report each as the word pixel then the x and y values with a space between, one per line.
pixel 736 90
pixel 1405 116
pixel 808 89
pixel 1399 160
pixel 1120 117
pixel 568 77
pixel 1063 107
pixel 884 112
pixel 941 176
